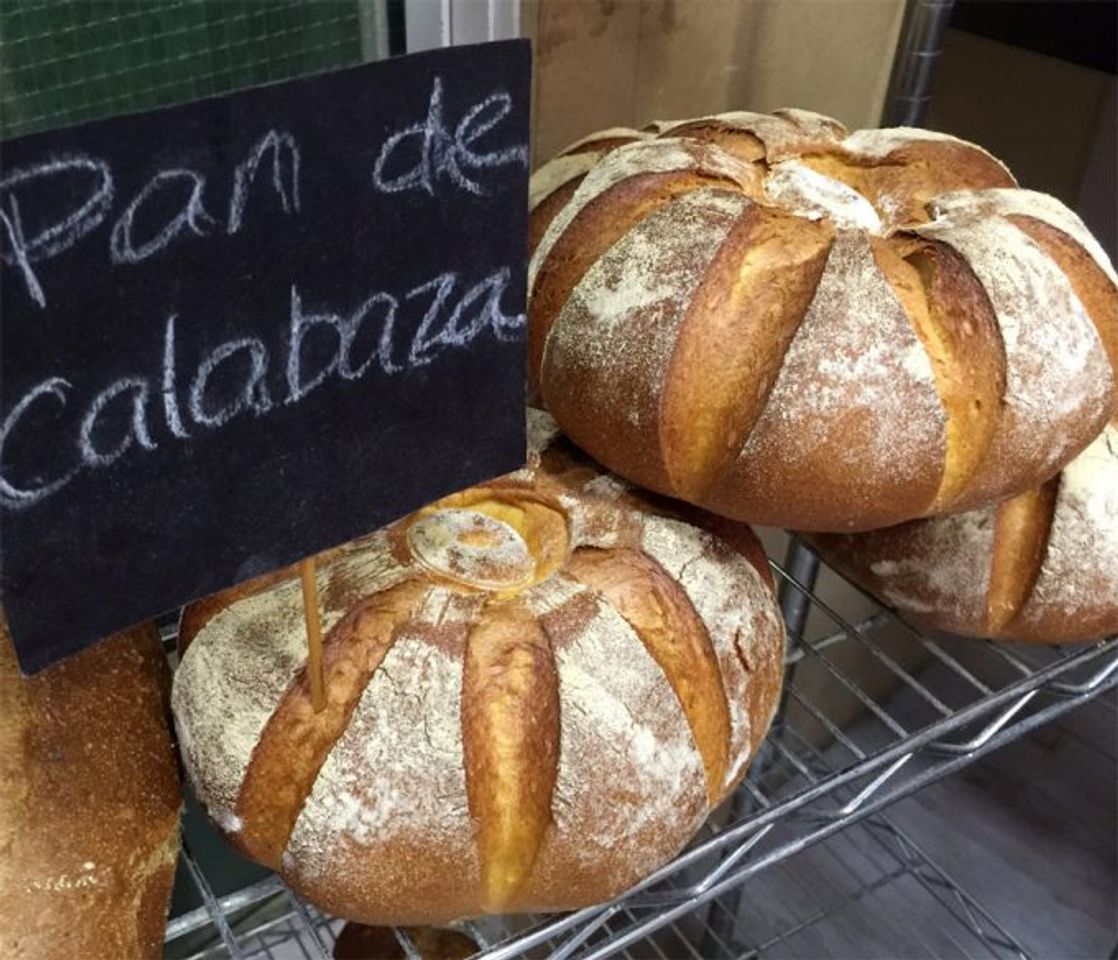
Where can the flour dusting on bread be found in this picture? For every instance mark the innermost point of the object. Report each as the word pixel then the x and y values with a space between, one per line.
pixel 1080 568
pixel 407 728
pixel 617 707
pixel 732 602
pixel 807 193
pixel 946 567
pixel 1057 373
pixel 620 324
pixel 387 829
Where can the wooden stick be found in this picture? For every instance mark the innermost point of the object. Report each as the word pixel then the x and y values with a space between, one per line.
pixel 314 632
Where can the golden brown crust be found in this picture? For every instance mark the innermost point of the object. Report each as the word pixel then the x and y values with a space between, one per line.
pixel 1041 567
pixel 634 840
pixel 599 224
pixel 408 873
pixel 898 565
pixel 661 615
pixel 602 142
pixel 904 180
pixel 1020 536
pixel 295 743
pixel 738 537
pixel 510 738
pixel 835 446
pixel 739 143
pixel 546 210
pixel 1096 618
pixel 845 397
pixel 494 739
pixel 196 615
pixel 632 365
pixel 1091 285
pixel 959 331
pixel 733 339
pixel 89 802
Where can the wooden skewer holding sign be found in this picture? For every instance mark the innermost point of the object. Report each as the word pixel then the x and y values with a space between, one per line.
pixel 314 632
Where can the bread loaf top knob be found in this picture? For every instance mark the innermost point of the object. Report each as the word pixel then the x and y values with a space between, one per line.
pixel 489 544
pixel 792 325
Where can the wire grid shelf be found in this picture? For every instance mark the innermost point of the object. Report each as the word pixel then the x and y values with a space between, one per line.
pixel 63 62
pixel 839 752
pixel 871 861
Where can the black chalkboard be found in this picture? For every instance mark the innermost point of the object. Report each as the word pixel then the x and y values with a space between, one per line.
pixel 240 331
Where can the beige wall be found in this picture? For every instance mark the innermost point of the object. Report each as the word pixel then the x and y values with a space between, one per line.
pixel 602 63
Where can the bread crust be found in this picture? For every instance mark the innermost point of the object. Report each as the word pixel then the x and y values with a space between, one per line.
pixel 850 421
pixel 537 743
pixel 89 802
pixel 967 360
pixel 1041 567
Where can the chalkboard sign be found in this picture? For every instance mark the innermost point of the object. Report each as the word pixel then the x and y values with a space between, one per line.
pixel 240 331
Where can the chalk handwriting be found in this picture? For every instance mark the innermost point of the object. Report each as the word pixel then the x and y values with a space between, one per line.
pixel 193 216
pixel 442 155
pixel 24 245
pixel 427 343
pixel 383 353
pixel 11 496
pixel 139 433
pixel 301 324
pixel 422 157
pixel 169 392
pixel 453 314
pixel 254 391
pixel 53 238
pixel 282 145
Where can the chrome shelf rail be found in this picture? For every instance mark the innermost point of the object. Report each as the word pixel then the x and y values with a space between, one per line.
pixel 839 753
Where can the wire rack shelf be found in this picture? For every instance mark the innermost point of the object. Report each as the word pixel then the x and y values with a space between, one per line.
pixel 841 750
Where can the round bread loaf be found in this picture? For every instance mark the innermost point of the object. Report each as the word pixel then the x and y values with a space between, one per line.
pixel 89 802
pixel 537 689
pixel 1039 568
pixel 792 325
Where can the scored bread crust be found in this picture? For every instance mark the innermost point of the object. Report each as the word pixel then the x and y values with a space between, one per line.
pixel 792 325
pixel 89 802
pixel 537 689
pixel 1041 567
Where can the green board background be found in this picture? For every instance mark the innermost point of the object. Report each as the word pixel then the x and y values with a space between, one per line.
pixel 64 61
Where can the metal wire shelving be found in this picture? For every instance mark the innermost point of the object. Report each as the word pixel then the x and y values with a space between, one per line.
pixel 840 751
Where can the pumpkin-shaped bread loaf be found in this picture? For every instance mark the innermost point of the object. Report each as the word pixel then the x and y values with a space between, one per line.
pixel 792 325
pixel 537 689
pixel 1041 567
